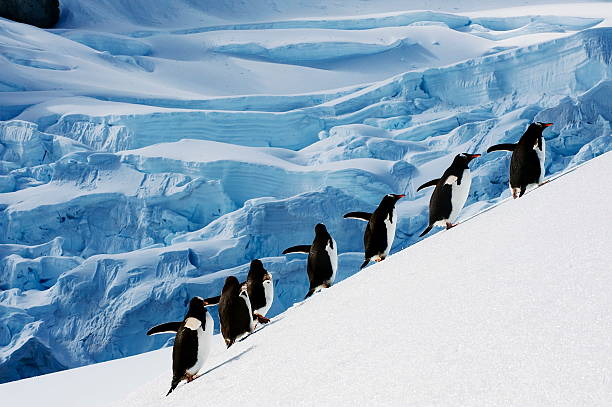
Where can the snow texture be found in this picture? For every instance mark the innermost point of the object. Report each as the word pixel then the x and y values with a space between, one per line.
pixel 150 149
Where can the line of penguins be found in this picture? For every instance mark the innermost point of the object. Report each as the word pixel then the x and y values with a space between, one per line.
pixel 242 306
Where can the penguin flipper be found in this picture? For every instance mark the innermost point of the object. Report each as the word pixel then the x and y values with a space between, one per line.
pixel 167 328
pixel 502 147
pixel 364 216
pixel 426 231
pixel 212 300
pixel 431 183
pixel 303 248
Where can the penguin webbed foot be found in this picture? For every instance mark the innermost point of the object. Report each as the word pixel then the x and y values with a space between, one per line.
pixel 261 319
pixel 449 225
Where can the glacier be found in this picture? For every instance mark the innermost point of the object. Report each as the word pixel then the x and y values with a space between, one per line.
pixel 142 163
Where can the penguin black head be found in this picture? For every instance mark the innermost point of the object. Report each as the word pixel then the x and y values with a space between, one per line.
pixel 535 130
pixel 391 199
pixel 197 309
pixel 534 133
pixel 320 228
pixel 231 285
pixel 543 125
pixel 257 272
pixel 462 160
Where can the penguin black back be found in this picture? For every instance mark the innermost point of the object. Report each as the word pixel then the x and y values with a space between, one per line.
pixel 322 260
pixel 257 283
pixel 380 231
pixel 235 313
pixel 443 204
pixel 186 344
pixel 527 162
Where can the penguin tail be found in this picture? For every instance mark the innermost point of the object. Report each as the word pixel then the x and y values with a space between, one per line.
pixel 523 189
pixel 310 293
pixel 175 382
pixel 426 231
pixel 365 263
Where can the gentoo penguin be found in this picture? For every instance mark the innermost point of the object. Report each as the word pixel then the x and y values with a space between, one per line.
pixel 451 192
pixel 192 342
pixel 527 162
pixel 260 288
pixel 235 314
pixel 322 259
pixel 380 232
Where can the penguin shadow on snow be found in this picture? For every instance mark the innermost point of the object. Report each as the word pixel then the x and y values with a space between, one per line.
pixel 263 326
pixel 232 359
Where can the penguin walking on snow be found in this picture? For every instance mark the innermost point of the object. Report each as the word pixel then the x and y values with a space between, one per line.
pixel 322 259
pixel 450 194
pixel 380 231
pixel 235 313
pixel 260 288
pixel 192 342
pixel 527 162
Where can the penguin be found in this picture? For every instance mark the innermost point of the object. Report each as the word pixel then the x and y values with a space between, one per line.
pixel 380 232
pixel 527 162
pixel 450 194
pixel 192 342
pixel 322 259
pixel 235 313
pixel 260 289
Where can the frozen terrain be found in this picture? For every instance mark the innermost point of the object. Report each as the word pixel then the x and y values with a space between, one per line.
pixel 509 308
pixel 148 152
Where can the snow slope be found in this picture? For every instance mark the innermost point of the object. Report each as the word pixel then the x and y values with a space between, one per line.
pixel 148 152
pixel 509 308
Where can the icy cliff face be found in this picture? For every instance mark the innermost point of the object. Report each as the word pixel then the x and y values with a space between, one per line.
pixel 126 187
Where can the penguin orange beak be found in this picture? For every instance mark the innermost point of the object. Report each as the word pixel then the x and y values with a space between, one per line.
pixel 474 155
pixel 548 124
pixel 402 195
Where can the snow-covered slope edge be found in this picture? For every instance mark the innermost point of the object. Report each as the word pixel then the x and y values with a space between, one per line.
pixel 96 242
pixel 510 308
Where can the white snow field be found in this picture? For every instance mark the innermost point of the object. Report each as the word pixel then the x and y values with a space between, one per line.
pixel 149 149
pixel 511 308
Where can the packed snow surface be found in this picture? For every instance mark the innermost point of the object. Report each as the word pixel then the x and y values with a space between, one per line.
pixel 150 149
pixel 511 307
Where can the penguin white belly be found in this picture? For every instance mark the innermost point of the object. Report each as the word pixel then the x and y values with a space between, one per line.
pixel 542 157
pixel 390 225
pixel 204 341
pixel 459 194
pixel 268 286
pixel 333 259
